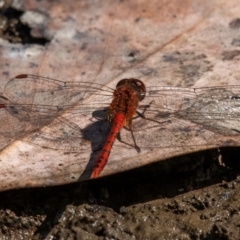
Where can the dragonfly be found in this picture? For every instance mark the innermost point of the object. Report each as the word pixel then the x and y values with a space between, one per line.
pixel 40 110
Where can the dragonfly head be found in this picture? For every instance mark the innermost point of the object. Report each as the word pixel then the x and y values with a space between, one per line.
pixel 135 84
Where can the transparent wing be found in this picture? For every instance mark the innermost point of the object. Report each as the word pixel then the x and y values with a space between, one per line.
pixel 60 115
pixel 189 117
pixel 215 108
pixel 32 103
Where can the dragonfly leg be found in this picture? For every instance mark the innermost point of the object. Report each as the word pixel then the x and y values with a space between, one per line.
pixel 142 114
pixel 150 119
pixel 146 107
pixel 134 141
pixel 134 146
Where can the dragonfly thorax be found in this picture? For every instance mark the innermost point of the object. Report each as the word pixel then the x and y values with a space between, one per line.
pixel 128 93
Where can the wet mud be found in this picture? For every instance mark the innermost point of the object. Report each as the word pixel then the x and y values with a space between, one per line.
pixel 195 196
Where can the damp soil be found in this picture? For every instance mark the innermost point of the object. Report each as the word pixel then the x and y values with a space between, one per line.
pixel 195 196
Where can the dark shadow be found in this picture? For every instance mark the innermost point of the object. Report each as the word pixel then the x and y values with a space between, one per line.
pixel 158 180
pixel 163 179
pixel 86 174
pixel 96 133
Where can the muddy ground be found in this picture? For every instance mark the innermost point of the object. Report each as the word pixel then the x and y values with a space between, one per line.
pixel 189 197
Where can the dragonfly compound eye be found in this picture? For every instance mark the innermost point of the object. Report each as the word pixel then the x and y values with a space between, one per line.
pixel 136 84
pixel 122 82
pixel 139 87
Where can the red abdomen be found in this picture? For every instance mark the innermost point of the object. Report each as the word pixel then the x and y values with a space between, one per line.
pixel 117 124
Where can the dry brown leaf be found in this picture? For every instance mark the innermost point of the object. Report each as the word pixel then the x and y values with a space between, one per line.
pixel 175 43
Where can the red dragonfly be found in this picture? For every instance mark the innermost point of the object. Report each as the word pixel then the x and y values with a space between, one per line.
pixel 166 117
